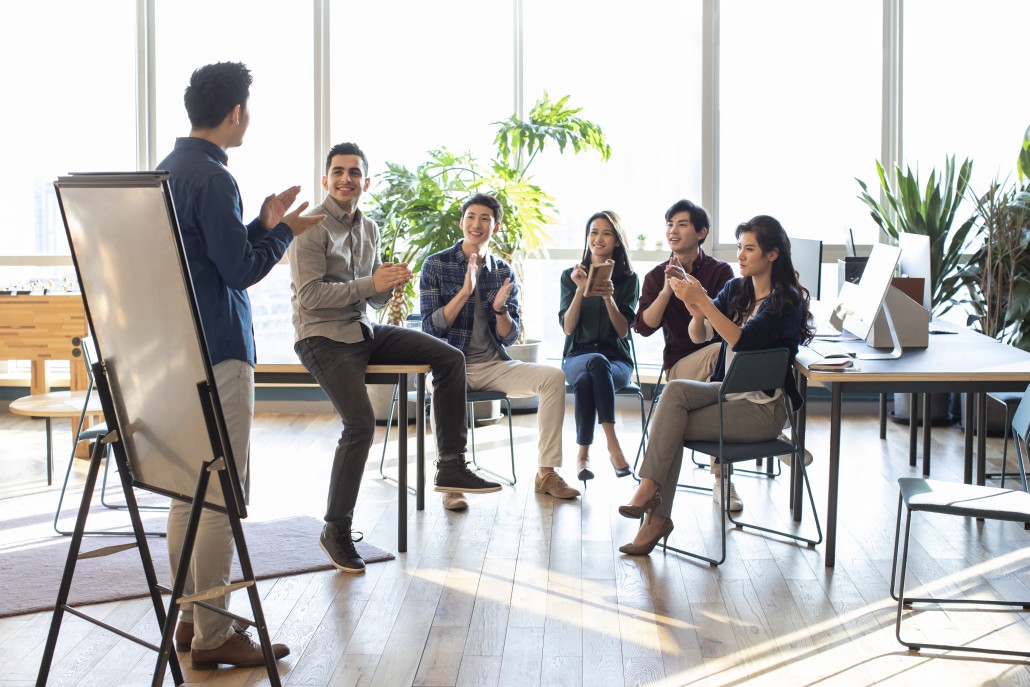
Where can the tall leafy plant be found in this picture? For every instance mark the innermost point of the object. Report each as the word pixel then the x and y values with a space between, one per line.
pixel 929 210
pixel 998 273
pixel 418 210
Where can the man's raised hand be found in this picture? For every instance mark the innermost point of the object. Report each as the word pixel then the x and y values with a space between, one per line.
pixel 390 275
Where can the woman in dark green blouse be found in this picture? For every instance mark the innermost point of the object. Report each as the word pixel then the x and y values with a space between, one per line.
pixel 597 360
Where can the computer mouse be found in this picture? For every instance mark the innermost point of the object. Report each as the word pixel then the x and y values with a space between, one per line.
pixel 839 355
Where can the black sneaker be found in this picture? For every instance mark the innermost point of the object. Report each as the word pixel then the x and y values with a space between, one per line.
pixel 454 475
pixel 339 546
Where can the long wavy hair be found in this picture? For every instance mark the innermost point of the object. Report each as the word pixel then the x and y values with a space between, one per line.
pixel 623 265
pixel 787 292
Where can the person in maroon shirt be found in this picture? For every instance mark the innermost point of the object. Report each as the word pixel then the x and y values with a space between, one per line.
pixel 686 228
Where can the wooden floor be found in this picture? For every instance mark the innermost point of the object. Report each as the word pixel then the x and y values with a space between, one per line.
pixel 526 590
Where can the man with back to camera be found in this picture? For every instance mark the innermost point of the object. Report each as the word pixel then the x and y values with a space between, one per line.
pixel 336 271
pixel 225 257
pixel 686 228
pixel 469 299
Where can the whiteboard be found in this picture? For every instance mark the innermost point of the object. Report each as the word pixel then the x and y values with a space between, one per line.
pixel 141 308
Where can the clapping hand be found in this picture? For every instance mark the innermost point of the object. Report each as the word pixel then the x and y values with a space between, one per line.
pixel 689 290
pixel 390 275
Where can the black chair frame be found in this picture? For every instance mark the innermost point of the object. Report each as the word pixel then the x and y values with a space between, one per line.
pixel 753 371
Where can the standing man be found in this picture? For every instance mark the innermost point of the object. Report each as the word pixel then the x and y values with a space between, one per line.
pixel 686 228
pixel 336 271
pixel 225 257
pixel 469 299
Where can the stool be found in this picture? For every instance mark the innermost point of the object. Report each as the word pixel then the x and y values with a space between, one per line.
pixel 963 500
pixel 55 404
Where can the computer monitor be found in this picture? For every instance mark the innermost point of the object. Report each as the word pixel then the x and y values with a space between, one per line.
pixel 861 303
pixel 807 256
pixel 849 245
pixel 915 261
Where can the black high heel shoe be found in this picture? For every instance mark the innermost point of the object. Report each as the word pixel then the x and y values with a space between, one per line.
pixel 621 472
pixel 636 512
pixel 647 547
pixel 585 472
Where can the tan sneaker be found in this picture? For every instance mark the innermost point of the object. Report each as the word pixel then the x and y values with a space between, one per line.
pixel 736 505
pixel 553 484
pixel 454 500
pixel 239 650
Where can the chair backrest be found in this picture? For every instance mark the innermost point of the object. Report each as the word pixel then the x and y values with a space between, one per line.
pixel 1021 419
pixel 756 371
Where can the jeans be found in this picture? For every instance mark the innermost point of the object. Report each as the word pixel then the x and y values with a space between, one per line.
pixel 339 369
pixel 594 380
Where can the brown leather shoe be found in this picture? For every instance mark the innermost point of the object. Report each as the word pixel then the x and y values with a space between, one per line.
pixel 455 500
pixel 184 633
pixel 553 484
pixel 239 651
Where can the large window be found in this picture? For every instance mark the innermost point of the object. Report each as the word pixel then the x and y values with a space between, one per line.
pixel 965 90
pixel 275 41
pixel 410 76
pixel 69 106
pixel 799 114
pixel 635 69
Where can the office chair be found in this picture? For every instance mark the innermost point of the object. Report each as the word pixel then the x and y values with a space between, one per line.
pixel 753 371
pixel 655 396
pixel 962 500
pixel 1009 400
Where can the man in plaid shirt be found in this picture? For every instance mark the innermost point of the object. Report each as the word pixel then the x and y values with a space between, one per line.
pixel 469 298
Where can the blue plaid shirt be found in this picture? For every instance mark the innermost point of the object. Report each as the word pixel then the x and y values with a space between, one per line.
pixel 443 275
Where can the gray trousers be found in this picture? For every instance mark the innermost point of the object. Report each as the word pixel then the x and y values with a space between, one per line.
pixel 689 410
pixel 213 549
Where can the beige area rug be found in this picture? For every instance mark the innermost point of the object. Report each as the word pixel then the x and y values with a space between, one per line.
pixel 31 576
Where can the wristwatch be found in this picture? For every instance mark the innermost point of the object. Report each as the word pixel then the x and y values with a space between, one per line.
pixel 502 311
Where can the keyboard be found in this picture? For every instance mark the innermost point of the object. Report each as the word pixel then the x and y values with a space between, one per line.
pixel 826 349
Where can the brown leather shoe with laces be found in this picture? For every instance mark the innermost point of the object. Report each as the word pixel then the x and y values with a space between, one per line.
pixel 239 651
pixel 184 633
pixel 553 484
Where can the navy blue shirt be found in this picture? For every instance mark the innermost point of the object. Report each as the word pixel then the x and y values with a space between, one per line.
pixel 767 329
pixel 225 256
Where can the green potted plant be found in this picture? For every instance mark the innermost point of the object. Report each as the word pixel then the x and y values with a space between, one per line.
pixel 418 210
pixel 641 241
pixel 928 210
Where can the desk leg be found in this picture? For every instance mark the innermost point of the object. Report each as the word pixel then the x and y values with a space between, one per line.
pixel 49 452
pixel 967 422
pixel 913 425
pixel 927 424
pixel 981 438
pixel 796 482
pixel 420 441
pixel 402 464
pixel 883 416
pixel 831 487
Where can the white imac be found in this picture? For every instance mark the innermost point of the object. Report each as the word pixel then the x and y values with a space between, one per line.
pixel 859 304
pixel 807 256
pixel 915 261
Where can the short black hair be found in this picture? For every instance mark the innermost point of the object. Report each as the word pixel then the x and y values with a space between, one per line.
pixel 214 90
pixel 485 201
pixel 346 149
pixel 698 216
